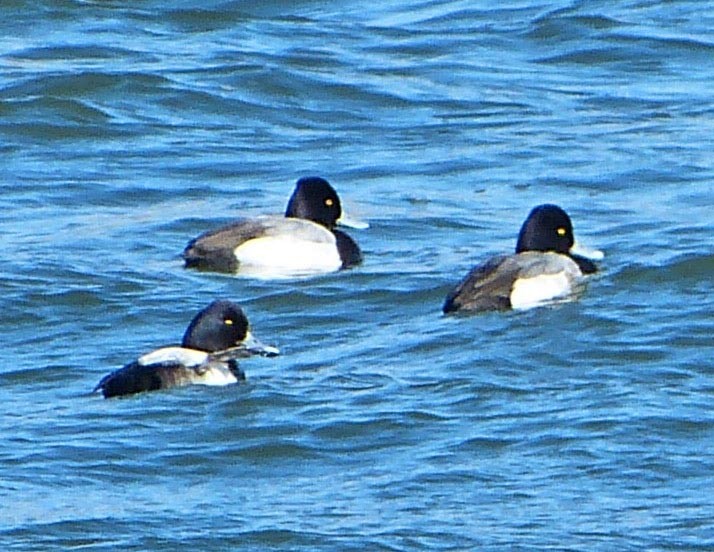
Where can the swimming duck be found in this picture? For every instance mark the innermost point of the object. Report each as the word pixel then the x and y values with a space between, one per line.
pixel 303 242
pixel 214 340
pixel 546 266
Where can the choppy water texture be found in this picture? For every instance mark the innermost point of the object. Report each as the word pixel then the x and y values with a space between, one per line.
pixel 127 128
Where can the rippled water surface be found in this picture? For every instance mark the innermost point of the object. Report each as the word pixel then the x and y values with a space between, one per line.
pixel 127 128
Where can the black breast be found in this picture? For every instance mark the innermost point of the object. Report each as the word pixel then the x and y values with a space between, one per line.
pixel 348 249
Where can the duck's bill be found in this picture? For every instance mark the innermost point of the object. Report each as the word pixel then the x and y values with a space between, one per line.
pixel 352 223
pixel 582 251
pixel 254 346
pixel 250 346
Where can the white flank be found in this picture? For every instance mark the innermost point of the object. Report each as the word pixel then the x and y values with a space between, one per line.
pixel 179 355
pixel 203 372
pixel 287 256
pixel 216 376
pixel 531 292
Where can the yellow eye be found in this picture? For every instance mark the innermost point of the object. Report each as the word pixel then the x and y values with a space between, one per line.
pixel 228 322
pixel 329 202
pixel 561 231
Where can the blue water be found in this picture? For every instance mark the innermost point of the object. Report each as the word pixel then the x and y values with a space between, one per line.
pixel 128 128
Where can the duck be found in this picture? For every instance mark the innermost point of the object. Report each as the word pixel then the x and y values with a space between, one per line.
pixel 546 266
pixel 208 355
pixel 304 242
